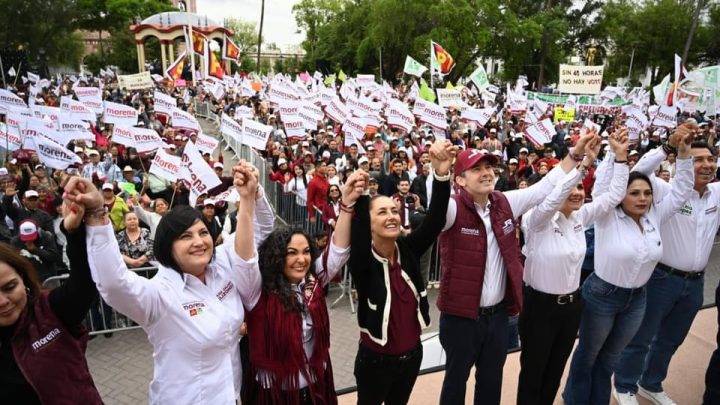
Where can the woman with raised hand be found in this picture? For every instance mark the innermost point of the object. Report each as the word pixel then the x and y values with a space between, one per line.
pixel 555 248
pixel 289 327
pixel 627 248
pixel 42 338
pixel 193 308
pixel 392 300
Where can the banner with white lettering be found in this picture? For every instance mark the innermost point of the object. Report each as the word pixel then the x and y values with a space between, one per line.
pixel 206 144
pixel 120 114
pixel 541 132
pixel 182 119
pixel 200 176
pixel 636 122
pixel 480 116
pixel 449 97
pixel 135 82
pixel 165 165
pixel 164 103
pixel 77 109
pixel 256 134
pixel 73 128
pixel 91 97
pixel 430 114
pixel 399 115
pixel 8 141
pixel 51 153
pixel 580 79
pixel 666 116
pixel 230 127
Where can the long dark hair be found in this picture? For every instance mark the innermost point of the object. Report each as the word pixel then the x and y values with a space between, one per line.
pixel 22 266
pixel 271 260
pixel 304 174
pixel 171 226
pixel 330 189
pixel 634 175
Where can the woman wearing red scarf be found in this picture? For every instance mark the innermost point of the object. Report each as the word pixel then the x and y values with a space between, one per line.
pixel 289 327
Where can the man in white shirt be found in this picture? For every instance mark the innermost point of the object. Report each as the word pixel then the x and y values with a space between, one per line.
pixel 675 290
pixel 481 272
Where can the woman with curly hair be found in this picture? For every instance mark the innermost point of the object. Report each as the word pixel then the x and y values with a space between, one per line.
pixel 331 211
pixel 289 326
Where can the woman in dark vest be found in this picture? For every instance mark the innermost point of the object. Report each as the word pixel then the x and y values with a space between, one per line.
pixel 42 340
pixel 392 300
pixel 289 326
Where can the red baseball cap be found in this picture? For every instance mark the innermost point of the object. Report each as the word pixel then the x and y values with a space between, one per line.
pixel 469 158
pixel 28 231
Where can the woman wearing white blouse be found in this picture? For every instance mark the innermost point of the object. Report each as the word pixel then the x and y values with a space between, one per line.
pixel 193 308
pixel 555 248
pixel 627 248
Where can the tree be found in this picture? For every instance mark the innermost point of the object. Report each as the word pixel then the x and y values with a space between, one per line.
pixel 310 16
pixel 245 35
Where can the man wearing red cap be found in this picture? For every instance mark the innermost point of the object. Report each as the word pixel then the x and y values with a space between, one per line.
pixel 482 273
pixel 38 247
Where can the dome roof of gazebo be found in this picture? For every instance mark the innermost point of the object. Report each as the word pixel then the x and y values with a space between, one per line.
pixel 173 20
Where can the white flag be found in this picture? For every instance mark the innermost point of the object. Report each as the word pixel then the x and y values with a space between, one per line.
pixel 10 101
pixel 76 109
pixel 337 111
pixel 8 141
pixel 200 176
pixel 33 77
pixel 230 127
pixel 541 132
pixel 479 116
pixel 120 114
pixel 206 144
pixel 666 116
pixel 74 128
pixel 256 134
pixel 182 119
pixel 164 103
pixel 399 115
pixel 52 154
pixel 413 67
pixel 91 97
pixel 166 166
pixel 430 114
pixel 12 72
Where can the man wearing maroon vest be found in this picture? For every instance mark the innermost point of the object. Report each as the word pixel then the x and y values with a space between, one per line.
pixel 481 279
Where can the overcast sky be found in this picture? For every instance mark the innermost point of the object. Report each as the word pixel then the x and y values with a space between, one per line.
pixel 279 25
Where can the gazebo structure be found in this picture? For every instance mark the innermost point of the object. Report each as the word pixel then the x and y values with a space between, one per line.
pixel 168 27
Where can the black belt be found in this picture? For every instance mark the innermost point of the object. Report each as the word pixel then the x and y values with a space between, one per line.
pixel 687 275
pixel 491 310
pixel 561 299
pixel 389 358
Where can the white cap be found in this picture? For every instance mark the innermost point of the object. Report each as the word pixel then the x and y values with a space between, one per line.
pixel 281 161
pixel 497 153
pixel 31 193
pixel 326 154
pixel 524 150
pixel 493 130
pixel 567 137
pixel 107 186
pixel 363 160
pixel 218 165
pixel 28 231
pixel 208 201
pixel 633 153
pixel 79 149
pixel 3 171
pixel 305 143
pixel 513 160
pixel 128 169
pixel 93 152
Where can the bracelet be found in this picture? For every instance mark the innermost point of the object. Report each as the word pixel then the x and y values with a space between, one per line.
pixel 343 205
pixel 668 149
pixel 97 213
pixel 621 161
pixel 348 210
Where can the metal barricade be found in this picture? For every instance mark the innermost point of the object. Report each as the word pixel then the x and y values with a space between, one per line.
pixel 102 318
pixel 201 109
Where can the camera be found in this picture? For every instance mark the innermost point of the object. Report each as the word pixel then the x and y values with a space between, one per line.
pixel 409 200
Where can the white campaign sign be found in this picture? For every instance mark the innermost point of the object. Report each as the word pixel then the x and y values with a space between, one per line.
pixel 479 116
pixel 123 136
pixel 74 128
pixel 166 166
pixel 91 97
pixel 449 97
pixel 541 132
pixel 430 114
pixel 164 103
pixel 336 110
pixel 77 109
pixel 355 127
pixel 206 144
pixel 146 140
pixel 294 127
pixel 182 119
pixel 10 102
pixel 9 141
pixel 120 114
pixel 636 122
pixel 230 127
pixel 52 154
pixel 200 176
pixel 399 115
pixel 666 117
pixel 256 134
pixel 51 113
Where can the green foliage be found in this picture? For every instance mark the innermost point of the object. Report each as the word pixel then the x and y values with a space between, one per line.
pixel 245 35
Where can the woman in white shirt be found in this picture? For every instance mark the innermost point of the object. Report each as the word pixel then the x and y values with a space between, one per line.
pixel 627 248
pixel 555 248
pixel 193 308
pixel 289 326
pixel 298 186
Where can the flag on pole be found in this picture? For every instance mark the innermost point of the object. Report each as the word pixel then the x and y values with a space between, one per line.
pixel 12 72
pixel 214 67
pixel 413 67
pixel 198 41
pixel 426 92
pixel 230 50
pixel 441 61
pixel 175 70
pixel 342 76
pixel 329 80
pixel 680 75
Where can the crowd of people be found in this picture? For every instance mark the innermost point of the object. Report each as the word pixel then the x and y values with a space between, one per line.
pixel 585 235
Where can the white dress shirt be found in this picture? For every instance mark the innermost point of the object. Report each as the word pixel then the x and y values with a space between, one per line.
pixel 689 234
pixel 625 253
pixel 554 244
pixel 194 327
pixel 521 201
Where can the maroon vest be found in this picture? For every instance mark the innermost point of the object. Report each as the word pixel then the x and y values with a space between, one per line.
pixel 52 358
pixel 463 253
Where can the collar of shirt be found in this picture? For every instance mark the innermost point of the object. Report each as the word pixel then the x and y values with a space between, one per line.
pixel 178 280
pixel 384 260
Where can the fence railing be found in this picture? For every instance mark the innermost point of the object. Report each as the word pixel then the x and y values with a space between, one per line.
pixel 101 317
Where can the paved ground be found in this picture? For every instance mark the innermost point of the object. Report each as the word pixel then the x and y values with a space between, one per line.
pixel 122 365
